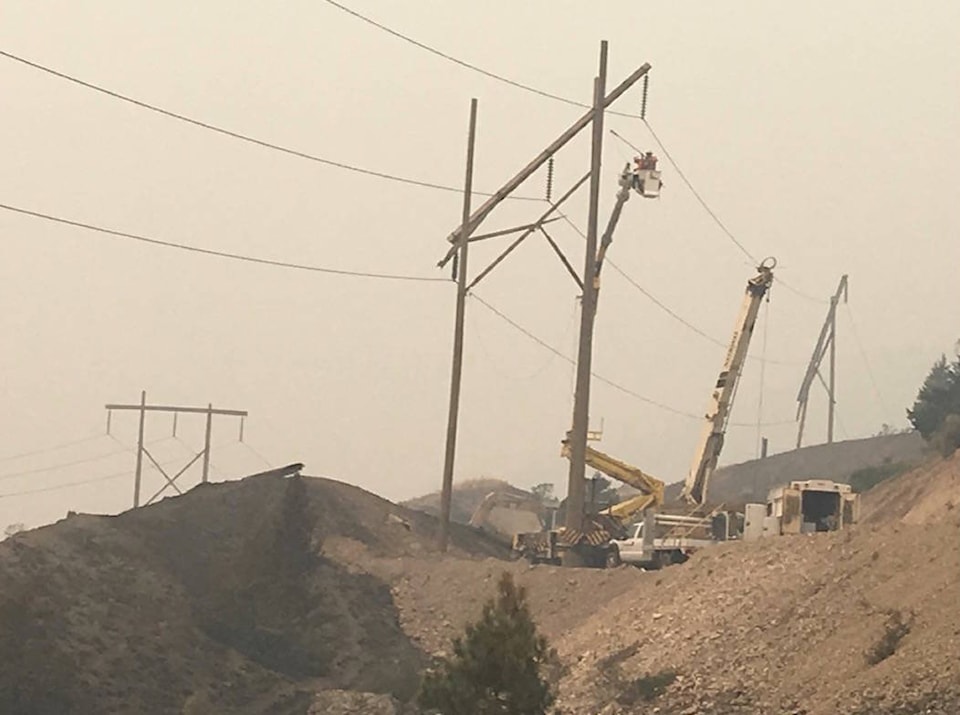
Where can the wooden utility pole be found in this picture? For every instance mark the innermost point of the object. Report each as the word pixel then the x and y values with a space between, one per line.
pixel 460 268
pixel 832 389
pixel 143 419
pixel 171 481
pixel 466 232
pixel 581 410
pixel 826 342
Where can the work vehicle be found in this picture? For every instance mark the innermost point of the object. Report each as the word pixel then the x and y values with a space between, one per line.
pixel 545 510
pixel 721 400
pixel 596 542
pixel 803 507
pixel 663 539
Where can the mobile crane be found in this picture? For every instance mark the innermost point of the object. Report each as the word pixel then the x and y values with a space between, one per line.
pixel 606 534
pixel 721 400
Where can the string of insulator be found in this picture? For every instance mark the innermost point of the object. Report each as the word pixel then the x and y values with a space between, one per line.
pixel 550 179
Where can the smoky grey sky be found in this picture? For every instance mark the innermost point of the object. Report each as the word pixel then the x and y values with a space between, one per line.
pixel 823 133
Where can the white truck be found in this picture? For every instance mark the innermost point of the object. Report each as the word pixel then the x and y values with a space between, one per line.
pixel 663 539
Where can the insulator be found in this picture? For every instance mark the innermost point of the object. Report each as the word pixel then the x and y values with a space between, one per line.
pixel 550 179
pixel 643 104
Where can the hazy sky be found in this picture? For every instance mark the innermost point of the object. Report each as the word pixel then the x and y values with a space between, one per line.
pixel 825 134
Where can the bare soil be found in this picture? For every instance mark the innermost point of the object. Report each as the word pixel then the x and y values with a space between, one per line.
pixel 211 603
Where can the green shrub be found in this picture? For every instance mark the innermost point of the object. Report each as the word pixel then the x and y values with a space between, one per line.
pixel 497 666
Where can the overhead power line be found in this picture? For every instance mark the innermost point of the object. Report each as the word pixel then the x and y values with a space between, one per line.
pixel 52 448
pixel 689 184
pixel 866 361
pixel 221 254
pixel 667 309
pixel 63 465
pixel 67 485
pixel 238 135
pixel 601 378
pixel 467 65
pixel 706 207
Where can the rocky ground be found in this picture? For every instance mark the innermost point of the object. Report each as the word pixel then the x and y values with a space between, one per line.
pixel 217 602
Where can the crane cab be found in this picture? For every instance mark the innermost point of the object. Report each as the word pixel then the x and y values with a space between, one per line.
pixel 646 176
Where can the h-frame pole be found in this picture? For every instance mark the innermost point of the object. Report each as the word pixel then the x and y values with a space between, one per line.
pixel 576 486
pixel 826 343
pixel 171 481
pixel 456 373
pixel 466 231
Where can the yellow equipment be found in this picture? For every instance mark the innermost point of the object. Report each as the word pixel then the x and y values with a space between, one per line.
pixel 650 488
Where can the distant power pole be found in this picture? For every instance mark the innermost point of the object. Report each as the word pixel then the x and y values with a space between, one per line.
pixel 171 481
pixel 826 342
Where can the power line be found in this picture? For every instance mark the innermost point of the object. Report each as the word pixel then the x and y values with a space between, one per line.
pixel 665 308
pixel 239 136
pixel 468 65
pixel 706 207
pixel 221 254
pixel 63 465
pixel 866 361
pixel 53 448
pixel 693 190
pixel 67 485
pixel 600 378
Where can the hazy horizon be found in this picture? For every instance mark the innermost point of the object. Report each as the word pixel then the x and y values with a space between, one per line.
pixel 823 134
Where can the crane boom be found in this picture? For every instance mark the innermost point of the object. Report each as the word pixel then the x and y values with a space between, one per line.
pixel 721 401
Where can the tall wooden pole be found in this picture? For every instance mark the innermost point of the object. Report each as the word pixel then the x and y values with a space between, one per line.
pixel 139 472
pixel 460 266
pixel 831 408
pixel 206 444
pixel 581 410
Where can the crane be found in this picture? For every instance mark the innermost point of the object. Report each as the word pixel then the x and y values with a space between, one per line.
pixel 721 401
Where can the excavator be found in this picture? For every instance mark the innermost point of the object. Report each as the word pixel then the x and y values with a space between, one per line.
pixel 545 510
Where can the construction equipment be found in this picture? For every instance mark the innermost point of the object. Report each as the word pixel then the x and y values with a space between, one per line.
pixel 597 542
pixel 721 401
pixel 544 510
pixel 664 539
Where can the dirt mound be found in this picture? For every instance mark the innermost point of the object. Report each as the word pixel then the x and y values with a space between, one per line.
pixel 289 596
pixel 222 600
pixel 751 481
pixel 466 498
pixel 862 621
pixel 929 494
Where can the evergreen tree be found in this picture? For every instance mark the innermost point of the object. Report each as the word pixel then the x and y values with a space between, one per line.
pixel 938 397
pixel 496 667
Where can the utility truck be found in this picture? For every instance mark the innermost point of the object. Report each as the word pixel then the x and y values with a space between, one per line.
pixel 803 507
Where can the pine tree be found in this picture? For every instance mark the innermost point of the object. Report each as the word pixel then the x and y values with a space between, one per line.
pixel 939 396
pixel 496 667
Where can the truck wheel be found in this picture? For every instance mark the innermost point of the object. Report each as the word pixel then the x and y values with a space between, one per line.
pixel 613 558
pixel 664 559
